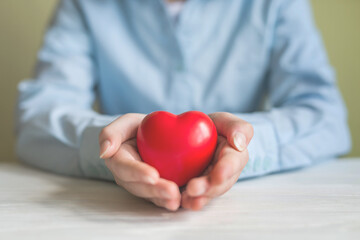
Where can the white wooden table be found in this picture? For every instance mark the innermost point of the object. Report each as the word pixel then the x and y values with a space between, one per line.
pixel 319 202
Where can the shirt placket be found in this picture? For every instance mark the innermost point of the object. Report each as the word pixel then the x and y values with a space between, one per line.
pixel 180 36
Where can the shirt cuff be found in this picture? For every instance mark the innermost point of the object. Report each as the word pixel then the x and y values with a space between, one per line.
pixel 91 164
pixel 263 148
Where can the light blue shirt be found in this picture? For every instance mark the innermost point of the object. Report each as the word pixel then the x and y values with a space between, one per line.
pixel 261 60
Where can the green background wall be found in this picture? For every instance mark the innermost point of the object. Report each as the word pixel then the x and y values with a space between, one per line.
pixel 22 23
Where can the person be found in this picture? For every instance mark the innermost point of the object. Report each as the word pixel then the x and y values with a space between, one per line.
pixel 258 68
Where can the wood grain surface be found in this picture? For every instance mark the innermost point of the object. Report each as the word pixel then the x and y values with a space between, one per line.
pixel 321 202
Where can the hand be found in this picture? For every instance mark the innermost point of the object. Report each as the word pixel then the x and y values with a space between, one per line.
pixel 118 148
pixel 230 158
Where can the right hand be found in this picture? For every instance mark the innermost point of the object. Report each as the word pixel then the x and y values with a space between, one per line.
pixel 119 150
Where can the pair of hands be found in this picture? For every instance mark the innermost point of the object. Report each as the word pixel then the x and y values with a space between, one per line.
pixel 118 149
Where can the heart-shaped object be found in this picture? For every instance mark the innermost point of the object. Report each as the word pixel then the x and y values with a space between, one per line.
pixel 180 147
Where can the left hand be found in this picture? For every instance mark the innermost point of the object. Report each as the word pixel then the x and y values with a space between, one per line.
pixel 230 158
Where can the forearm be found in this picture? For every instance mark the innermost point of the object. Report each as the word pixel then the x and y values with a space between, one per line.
pixel 63 140
pixel 288 138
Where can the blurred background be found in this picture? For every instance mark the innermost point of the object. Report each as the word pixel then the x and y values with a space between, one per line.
pixel 22 23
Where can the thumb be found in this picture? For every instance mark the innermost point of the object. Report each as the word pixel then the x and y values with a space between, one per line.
pixel 117 132
pixel 237 131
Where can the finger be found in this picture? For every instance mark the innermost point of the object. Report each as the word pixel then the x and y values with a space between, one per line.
pixel 130 170
pixel 198 202
pixel 219 180
pixel 226 171
pixel 198 186
pixel 227 163
pixel 163 189
pixel 129 150
pixel 142 190
pixel 230 162
pixel 171 205
pixel 218 190
pixel 214 184
pixel 117 132
pixel 201 186
pixel 185 200
pixel 237 131
pixel 193 203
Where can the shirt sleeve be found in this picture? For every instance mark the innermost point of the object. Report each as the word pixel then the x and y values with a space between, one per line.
pixel 57 129
pixel 306 120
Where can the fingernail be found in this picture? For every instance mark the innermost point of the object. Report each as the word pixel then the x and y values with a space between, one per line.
pixel 149 180
pixel 105 145
pixel 240 141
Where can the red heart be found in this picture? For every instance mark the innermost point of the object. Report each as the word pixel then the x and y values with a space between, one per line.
pixel 180 147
